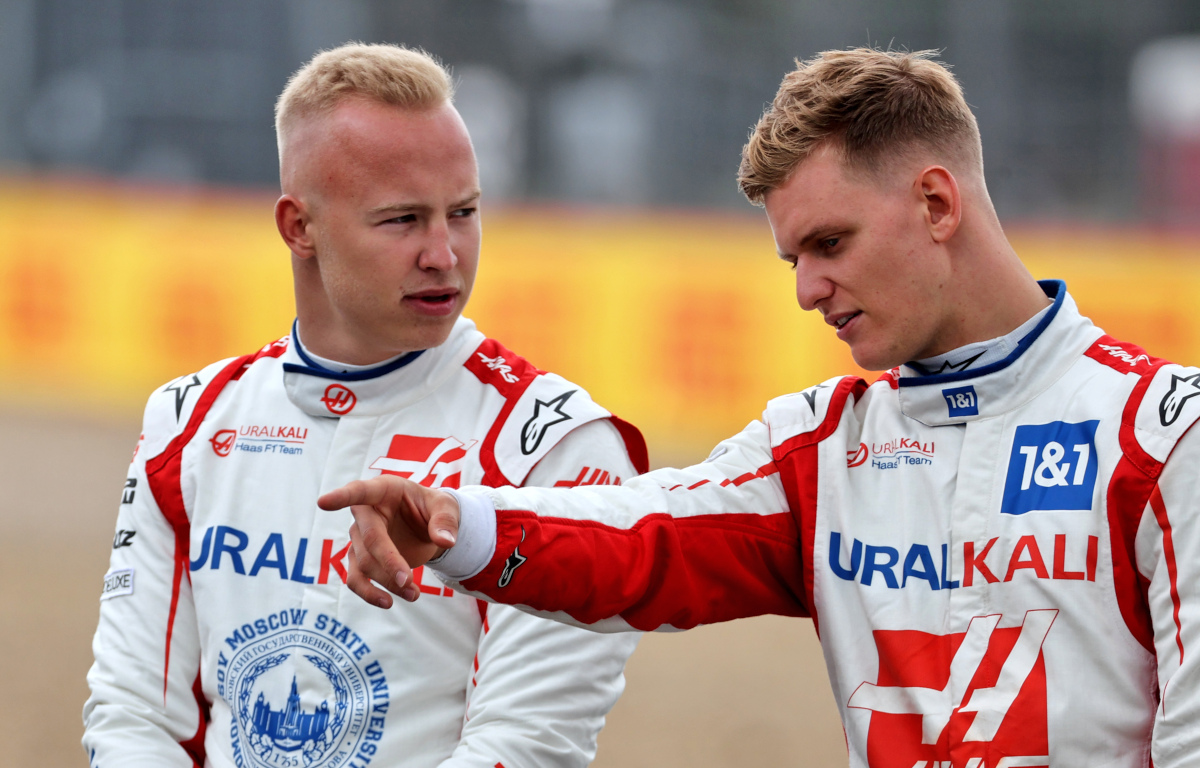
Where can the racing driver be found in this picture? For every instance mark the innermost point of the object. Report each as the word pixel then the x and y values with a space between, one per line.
pixel 997 541
pixel 225 636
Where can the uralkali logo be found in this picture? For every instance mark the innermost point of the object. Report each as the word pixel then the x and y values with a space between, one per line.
pixel 339 400
pixel 283 440
pixel 975 699
pixel 893 453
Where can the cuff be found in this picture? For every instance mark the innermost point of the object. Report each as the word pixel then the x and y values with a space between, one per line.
pixel 476 538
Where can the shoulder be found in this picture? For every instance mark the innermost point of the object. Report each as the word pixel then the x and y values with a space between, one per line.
pixel 181 404
pixel 812 414
pixel 1161 405
pixel 540 409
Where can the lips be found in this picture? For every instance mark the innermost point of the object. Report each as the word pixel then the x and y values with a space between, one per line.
pixel 433 301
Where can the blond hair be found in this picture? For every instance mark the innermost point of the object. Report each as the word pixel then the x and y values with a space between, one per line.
pixel 391 74
pixel 873 106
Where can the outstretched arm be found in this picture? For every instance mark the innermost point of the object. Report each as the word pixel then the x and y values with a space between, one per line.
pixel 670 548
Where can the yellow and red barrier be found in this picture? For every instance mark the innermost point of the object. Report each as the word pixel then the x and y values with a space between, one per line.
pixel 684 323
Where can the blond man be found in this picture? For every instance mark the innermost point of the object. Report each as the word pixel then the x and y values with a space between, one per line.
pixel 998 540
pixel 226 637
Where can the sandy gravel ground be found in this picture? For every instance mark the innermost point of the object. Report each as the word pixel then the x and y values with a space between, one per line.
pixel 747 693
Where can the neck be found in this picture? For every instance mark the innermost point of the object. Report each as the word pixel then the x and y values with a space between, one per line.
pixel 993 291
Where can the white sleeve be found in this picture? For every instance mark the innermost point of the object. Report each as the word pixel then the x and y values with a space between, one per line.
pixel 1169 554
pixel 541 690
pixel 142 712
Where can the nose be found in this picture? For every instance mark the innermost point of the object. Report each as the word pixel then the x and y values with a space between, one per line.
pixel 811 287
pixel 437 253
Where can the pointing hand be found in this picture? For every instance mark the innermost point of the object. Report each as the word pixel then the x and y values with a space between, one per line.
pixel 398 525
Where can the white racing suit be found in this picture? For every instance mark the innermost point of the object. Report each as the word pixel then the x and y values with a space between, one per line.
pixel 227 636
pixel 1002 564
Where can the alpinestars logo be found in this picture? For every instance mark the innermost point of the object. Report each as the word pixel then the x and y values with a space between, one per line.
pixel 949 367
pixel 979 697
pixel 181 387
pixel 1183 388
pixel 434 462
pixel 514 561
pixel 545 415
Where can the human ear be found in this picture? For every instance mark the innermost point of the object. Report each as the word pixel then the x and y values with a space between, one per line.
pixel 942 202
pixel 292 220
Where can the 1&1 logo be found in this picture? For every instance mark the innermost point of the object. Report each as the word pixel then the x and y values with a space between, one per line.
pixel 301 696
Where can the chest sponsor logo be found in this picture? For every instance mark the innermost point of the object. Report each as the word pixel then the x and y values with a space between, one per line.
pixel 961 401
pixel 931 566
pixel 435 462
pixel 260 438
pixel 892 454
pixel 1183 388
pixel 545 415
pixel 225 548
pixel 974 699
pixel 1052 467
pixel 339 400
pixel 117 583
pixel 304 690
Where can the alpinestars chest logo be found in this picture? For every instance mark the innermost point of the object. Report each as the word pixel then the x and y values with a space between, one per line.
pixel 545 415
pixel 1183 388
pixel 974 699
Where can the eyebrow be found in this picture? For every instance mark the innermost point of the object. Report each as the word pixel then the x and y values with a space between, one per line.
pixel 406 207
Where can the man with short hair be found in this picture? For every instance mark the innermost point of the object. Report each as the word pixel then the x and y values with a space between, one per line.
pixel 225 637
pixel 997 540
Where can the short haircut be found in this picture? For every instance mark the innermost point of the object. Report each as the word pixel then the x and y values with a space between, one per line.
pixel 874 106
pixel 391 74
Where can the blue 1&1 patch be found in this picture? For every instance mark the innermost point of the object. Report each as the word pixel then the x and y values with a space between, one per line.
pixel 1052 467
pixel 961 401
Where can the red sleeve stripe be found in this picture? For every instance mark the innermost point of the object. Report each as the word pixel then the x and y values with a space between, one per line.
pixel 1168 544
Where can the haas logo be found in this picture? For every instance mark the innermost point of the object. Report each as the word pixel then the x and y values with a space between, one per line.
pixel 222 442
pixel 339 400
pixel 431 461
pixel 975 699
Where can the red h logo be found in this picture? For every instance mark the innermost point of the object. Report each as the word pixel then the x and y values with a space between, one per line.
pixel 434 462
pixel 975 699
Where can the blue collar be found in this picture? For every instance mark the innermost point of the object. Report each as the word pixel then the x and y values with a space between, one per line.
pixel 313 368
pixel 1055 289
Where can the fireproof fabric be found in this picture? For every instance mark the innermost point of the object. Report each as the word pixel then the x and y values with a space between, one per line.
pixel 227 636
pixel 1002 564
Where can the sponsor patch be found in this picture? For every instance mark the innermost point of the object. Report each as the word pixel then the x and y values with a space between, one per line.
pixel 435 462
pixel 545 415
pixel 117 583
pixel 959 699
pixel 961 401
pixel 282 440
pixel 893 454
pixel 339 400
pixel 304 690
pixel 1183 388
pixel 1052 467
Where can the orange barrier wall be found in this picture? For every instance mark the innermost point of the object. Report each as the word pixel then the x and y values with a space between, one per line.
pixel 684 323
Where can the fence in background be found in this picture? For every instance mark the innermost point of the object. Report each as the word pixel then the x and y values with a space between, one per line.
pixel 684 323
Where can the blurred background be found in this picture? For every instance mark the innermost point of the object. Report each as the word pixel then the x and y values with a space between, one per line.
pixel 138 172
